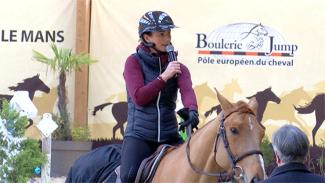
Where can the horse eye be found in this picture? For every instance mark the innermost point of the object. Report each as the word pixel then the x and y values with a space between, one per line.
pixel 234 130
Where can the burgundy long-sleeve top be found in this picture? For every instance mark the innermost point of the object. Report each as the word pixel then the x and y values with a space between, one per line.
pixel 142 94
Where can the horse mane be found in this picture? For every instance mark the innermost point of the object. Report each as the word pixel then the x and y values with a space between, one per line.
pixel 241 107
pixel 260 93
pixel 23 85
pixel 20 85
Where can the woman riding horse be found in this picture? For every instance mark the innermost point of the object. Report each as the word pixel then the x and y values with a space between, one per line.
pixel 226 147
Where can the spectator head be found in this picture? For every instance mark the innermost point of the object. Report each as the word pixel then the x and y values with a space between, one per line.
pixel 290 144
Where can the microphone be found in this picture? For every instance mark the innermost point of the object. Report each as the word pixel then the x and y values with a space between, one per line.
pixel 171 54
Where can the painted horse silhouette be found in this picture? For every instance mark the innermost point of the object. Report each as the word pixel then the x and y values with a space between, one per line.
pixel 285 110
pixel 205 97
pixel 31 85
pixel 262 97
pixel 317 105
pixel 120 113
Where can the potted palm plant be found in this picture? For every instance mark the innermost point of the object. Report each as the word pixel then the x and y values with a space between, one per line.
pixel 64 62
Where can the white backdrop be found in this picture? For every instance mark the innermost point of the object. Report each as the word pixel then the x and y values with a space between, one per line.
pixel 295 27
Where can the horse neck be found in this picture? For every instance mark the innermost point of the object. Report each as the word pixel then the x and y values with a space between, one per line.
pixel 262 101
pixel 24 87
pixel 202 147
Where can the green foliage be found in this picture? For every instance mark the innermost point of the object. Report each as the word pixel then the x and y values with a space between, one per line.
pixel 17 128
pixel 25 162
pixel 267 151
pixel 18 155
pixel 63 60
pixel 80 134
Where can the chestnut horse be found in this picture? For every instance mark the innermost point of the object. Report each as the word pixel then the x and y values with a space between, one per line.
pixel 228 145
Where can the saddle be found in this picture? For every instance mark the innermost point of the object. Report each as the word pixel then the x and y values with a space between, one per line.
pixel 149 165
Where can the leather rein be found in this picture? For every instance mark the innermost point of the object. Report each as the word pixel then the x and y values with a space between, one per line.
pixel 237 172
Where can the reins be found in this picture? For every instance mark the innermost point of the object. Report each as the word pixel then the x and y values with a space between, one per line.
pixel 234 160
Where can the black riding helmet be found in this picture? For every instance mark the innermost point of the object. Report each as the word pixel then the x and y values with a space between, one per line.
pixel 154 21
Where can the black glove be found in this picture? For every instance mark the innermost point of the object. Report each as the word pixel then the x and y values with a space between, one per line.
pixel 183 113
pixel 193 120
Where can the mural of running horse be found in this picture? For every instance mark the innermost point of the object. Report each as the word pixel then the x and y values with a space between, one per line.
pixel 285 110
pixel 228 145
pixel 205 97
pixel 317 105
pixel 119 111
pixel 262 97
pixel 31 85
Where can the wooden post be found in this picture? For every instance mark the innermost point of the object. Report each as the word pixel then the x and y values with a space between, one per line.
pixel 81 77
pixel 46 169
pixel 46 126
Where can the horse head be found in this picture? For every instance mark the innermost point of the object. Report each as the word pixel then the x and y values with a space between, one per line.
pixel 237 146
pixel 263 97
pixel 266 96
pixel 271 96
pixel 38 84
pixel 260 30
pixel 31 85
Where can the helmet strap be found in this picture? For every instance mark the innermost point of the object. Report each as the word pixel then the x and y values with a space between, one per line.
pixel 151 45
pixel 148 44
pixel 158 51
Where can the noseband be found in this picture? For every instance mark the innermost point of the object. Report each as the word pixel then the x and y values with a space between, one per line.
pixel 237 172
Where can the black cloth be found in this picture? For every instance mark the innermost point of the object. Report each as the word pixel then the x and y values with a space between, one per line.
pixel 293 172
pixel 96 165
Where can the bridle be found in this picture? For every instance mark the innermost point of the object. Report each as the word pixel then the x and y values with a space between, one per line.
pixel 237 172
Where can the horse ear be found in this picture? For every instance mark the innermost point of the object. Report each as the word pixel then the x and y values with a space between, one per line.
pixel 253 104
pixel 224 103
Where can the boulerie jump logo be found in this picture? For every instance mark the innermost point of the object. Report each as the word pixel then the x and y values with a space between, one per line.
pixel 245 44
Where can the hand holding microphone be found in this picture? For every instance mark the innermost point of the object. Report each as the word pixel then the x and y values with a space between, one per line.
pixel 173 69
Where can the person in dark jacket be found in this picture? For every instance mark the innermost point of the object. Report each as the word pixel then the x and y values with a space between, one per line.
pixel 290 146
pixel 153 80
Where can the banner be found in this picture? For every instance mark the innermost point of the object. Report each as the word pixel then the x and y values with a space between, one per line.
pixel 34 25
pixel 241 48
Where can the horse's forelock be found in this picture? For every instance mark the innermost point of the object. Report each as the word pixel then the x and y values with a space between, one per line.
pixel 242 107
